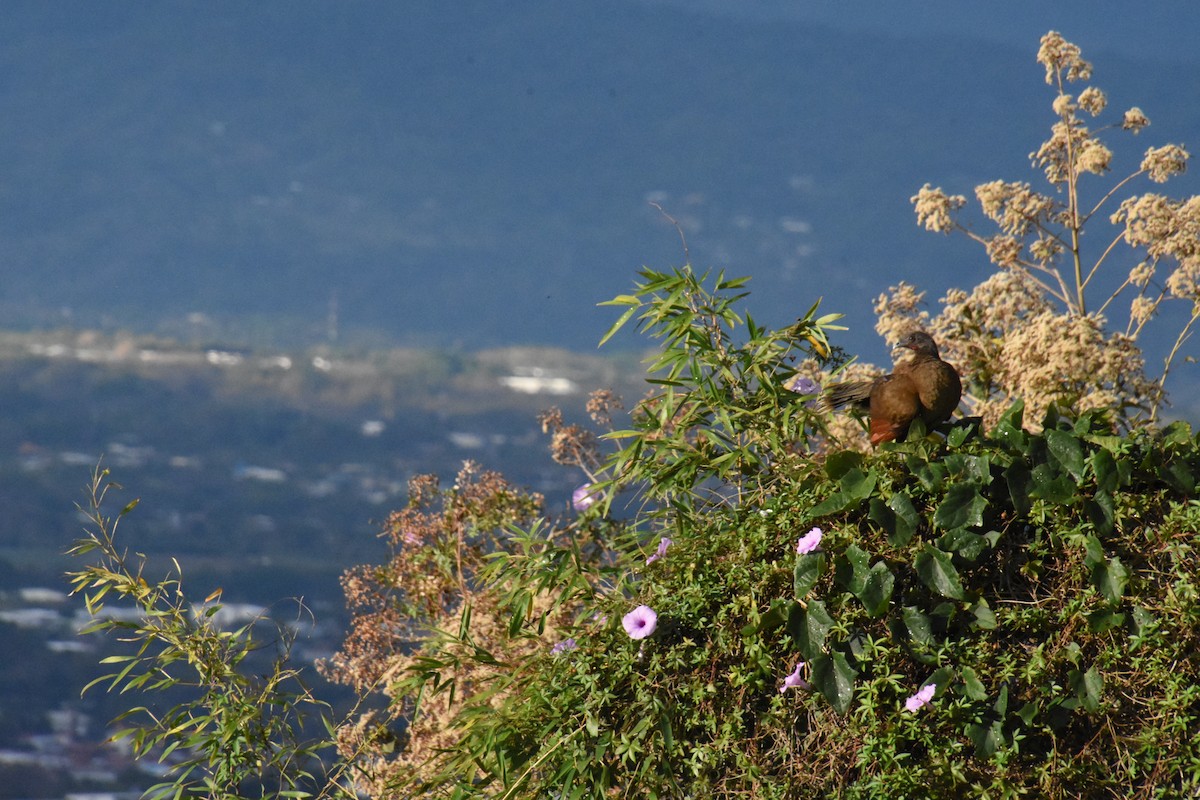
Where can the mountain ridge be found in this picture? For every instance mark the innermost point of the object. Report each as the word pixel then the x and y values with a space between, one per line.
pixel 481 176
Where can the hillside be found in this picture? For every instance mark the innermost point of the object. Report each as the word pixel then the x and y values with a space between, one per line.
pixel 475 175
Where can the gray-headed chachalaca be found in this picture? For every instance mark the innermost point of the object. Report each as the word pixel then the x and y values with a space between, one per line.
pixel 925 387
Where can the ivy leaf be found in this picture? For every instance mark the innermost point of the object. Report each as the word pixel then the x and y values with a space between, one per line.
pixel 1010 427
pixel 962 508
pixel 839 463
pixel 876 593
pixel 809 627
pixel 1052 486
pixel 857 486
pixel 777 614
pixel 985 618
pixel 1110 578
pixel 1088 687
pixel 931 474
pixel 1067 451
pixel 938 573
pixel 919 626
pixel 853 568
pixel 896 517
pixel 834 679
pixel 972 686
pixel 808 571
pixel 1103 619
pixel 967 545
pixel 907 519
pixel 1101 512
pixel 1104 467
pixel 1020 487
pixel 986 737
pixel 1177 475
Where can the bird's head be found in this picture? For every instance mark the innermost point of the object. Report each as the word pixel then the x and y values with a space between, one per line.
pixel 920 343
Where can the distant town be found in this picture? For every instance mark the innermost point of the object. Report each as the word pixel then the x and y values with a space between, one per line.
pixel 266 473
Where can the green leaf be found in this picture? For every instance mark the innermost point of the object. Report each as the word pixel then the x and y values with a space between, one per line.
pixel 664 727
pixel 1101 512
pixel 1009 430
pixel 1110 578
pixel 985 618
pixel 962 508
pixel 1142 622
pixel 839 463
pixel 967 545
pixel 1176 474
pixel 1104 619
pixel 958 435
pixel 1178 433
pixel 1104 467
pixel 876 593
pixel 620 323
pixel 778 613
pixel 1051 486
pixel 852 569
pixel 808 571
pixel 833 677
pixel 920 628
pixel 857 486
pixel 896 517
pixel 1020 486
pixel 1088 687
pixel 972 686
pixel 937 571
pixel 1001 704
pixel 809 627
pixel 1066 449
pixel 986 736
pixel 931 474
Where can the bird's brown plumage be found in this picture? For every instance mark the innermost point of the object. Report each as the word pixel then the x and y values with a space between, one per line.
pixel 924 387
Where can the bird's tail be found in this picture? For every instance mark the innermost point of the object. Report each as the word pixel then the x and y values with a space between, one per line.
pixel 844 394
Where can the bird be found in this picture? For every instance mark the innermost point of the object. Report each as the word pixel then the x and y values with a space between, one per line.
pixel 924 386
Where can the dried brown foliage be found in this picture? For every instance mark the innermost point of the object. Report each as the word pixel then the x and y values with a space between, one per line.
pixel 439 543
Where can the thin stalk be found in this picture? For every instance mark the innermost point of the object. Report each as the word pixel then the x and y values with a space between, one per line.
pixel 1111 192
pixel 1179 340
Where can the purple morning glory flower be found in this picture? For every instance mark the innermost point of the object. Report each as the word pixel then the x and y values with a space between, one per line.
pixel 584 497
pixel 794 681
pixel 662 551
pixel 640 622
pixel 922 698
pixel 809 542
pixel 563 646
pixel 801 385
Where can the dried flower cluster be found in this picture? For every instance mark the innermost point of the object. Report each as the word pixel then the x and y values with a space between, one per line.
pixel 439 543
pixel 1008 341
pixel 1030 331
pixel 571 444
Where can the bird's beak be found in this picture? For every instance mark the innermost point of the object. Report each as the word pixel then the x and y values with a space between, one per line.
pixel 900 352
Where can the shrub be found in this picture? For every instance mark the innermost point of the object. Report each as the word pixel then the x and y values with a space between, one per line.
pixel 1030 596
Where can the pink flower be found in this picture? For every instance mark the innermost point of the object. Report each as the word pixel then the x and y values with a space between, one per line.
pixel 794 681
pixel 662 551
pixel 563 646
pixel 640 622
pixel 922 698
pixel 583 497
pixel 809 542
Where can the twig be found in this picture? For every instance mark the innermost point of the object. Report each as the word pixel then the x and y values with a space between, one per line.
pixel 687 257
